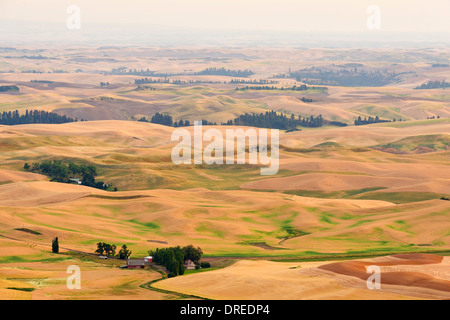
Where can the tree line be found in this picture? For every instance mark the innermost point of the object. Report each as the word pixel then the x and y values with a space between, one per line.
pixel 167 120
pixel 273 120
pixel 33 116
pixel 302 87
pixel 253 81
pixel 187 123
pixel 150 80
pixel 434 85
pixel 208 71
pixel 173 81
pixel 159 118
pixel 344 77
pixel 42 81
pixel 35 57
pixel 269 119
pixel 225 72
pixel 369 120
pixel 9 88
pixel 124 71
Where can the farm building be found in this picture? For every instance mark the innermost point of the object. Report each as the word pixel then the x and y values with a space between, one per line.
pixel 189 265
pixel 139 263
pixel 77 181
pixel 135 264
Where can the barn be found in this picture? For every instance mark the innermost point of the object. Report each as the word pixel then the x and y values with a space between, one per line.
pixel 135 263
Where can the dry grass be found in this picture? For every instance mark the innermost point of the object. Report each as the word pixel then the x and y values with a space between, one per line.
pixel 260 280
pixel 334 193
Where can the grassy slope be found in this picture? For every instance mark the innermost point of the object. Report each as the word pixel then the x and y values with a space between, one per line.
pixel 209 209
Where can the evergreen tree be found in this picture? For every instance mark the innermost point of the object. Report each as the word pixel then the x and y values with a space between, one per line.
pixel 55 245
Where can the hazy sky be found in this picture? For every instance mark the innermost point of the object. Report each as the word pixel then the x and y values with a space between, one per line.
pixel 264 15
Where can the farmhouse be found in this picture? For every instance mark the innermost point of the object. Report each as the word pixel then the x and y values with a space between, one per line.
pixel 189 265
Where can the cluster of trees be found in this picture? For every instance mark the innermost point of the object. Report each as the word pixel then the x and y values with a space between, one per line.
pixel 33 71
pixel 32 116
pixel 163 119
pixel 360 121
pixel 306 99
pixel 104 84
pixel 167 120
pixel 144 88
pixel 150 80
pixel 41 81
pixel 34 57
pixel 274 120
pixel 225 72
pixel 180 82
pixel 41 71
pixel 9 88
pixel 173 81
pixel 181 123
pixel 173 258
pixel 343 77
pixel 254 81
pixel 121 71
pixel 440 65
pixel 61 172
pixel 269 119
pixel 109 250
pixel 159 118
pixel 434 85
pixel 187 123
pixel 302 87
pixel 434 117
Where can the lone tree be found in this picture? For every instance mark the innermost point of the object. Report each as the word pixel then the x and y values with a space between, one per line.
pixel 55 245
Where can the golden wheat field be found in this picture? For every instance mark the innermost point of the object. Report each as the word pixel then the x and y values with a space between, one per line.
pixel 344 196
